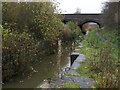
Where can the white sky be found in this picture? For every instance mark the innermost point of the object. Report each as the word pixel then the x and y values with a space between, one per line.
pixel 86 6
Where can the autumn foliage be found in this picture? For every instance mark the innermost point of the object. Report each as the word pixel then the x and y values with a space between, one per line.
pixel 29 30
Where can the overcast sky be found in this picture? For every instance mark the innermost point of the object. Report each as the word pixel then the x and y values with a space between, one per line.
pixel 86 6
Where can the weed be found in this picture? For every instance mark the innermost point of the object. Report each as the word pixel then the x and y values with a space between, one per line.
pixel 102 63
pixel 71 85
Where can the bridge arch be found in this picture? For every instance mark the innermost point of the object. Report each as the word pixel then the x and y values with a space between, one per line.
pixel 87 21
pixel 65 21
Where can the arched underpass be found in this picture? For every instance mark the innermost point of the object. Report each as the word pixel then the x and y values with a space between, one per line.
pixel 81 24
pixel 81 19
pixel 88 21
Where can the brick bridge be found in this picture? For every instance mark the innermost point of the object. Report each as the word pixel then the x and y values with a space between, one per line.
pixel 81 19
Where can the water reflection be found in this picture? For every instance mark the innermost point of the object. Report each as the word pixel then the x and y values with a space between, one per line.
pixel 47 67
pixel 59 58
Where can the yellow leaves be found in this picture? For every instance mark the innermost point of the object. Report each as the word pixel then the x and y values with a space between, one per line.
pixel 85 67
pixel 33 69
pixel 88 49
pixel 21 81
pixel 6 48
pixel 33 11
pixel 6 23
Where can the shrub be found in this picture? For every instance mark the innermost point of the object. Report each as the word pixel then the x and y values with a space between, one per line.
pixel 71 25
pixel 66 33
pixel 38 19
pixel 18 53
pixel 29 29
pixel 72 31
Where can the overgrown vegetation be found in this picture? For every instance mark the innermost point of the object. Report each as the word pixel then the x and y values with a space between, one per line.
pixel 31 30
pixel 111 35
pixel 70 85
pixel 111 11
pixel 111 22
pixel 102 62
pixel 72 32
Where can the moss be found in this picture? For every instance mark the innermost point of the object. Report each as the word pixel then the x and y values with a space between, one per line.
pixel 71 85
pixel 53 85
pixel 93 87
pixel 72 75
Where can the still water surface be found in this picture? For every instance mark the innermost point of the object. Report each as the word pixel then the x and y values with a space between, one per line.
pixel 48 67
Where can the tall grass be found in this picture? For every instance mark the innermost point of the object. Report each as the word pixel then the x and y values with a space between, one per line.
pixel 111 35
pixel 103 59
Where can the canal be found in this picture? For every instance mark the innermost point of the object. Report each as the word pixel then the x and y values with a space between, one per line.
pixel 47 67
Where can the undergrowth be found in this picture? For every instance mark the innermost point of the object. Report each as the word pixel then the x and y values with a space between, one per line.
pixel 102 62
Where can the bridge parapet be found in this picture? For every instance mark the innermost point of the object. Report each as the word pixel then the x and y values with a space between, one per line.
pixel 82 16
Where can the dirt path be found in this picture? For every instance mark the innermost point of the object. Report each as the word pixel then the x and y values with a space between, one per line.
pixel 106 40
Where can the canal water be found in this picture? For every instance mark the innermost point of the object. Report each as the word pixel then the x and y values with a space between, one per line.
pixel 48 67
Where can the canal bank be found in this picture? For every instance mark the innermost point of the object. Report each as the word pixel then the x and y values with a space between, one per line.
pixel 101 62
pixel 70 78
pixel 96 67
pixel 47 67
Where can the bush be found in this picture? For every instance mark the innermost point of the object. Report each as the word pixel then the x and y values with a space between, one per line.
pixel 29 31
pixel 71 25
pixel 18 53
pixel 72 31
pixel 66 33
pixel 38 19
pixel 77 35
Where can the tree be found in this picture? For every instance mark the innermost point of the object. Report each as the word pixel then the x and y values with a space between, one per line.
pixel 28 30
pixel 37 18
pixel 110 15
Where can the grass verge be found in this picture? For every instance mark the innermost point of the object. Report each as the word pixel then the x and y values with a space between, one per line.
pixel 102 61
pixel 111 35
pixel 70 85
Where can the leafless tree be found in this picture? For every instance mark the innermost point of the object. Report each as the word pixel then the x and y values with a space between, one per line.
pixel 111 15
